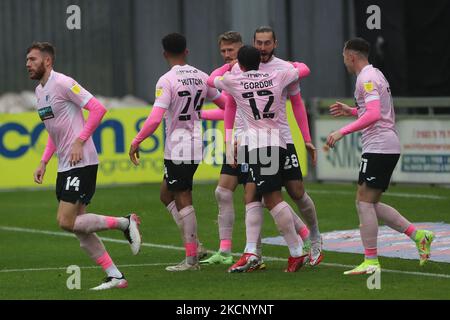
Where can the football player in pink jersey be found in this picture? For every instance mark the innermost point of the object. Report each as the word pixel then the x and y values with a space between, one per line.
pixel 264 39
pixel 293 176
pixel 380 153
pixel 230 176
pixel 258 95
pixel 180 94
pixel 60 101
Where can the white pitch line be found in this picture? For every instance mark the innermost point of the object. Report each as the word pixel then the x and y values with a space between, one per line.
pixel 153 245
pixel 83 267
pixel 388 194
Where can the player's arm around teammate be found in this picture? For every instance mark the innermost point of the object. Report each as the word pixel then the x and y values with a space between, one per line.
pixel 264 39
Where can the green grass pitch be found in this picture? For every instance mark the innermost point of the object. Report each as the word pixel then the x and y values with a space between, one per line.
pixel 33 263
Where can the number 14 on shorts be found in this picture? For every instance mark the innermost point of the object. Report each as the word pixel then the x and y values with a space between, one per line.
pixel 73 182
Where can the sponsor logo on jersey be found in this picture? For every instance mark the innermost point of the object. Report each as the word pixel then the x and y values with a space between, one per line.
pixel 368 86
pixel 46 113
pixel 76 89
pixel 180 72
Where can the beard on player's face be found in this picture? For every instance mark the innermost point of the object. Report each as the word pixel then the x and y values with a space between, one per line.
pixel 266 55
pixel 228 59
pixel 38 73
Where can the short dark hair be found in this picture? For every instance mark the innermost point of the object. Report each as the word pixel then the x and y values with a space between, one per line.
pixel 249 57
pixel 44 47
pixel 263 29
pixel 174 43
pixel 359 45
pixel 230 36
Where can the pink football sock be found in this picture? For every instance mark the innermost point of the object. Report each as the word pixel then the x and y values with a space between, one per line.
pixel 91 244
pixel 392 217
pixel 191 249
pixel 226 214
pixel 370 253
pixel 172 208
pixel 308 212
pixel 187 215
pixel 225 246
pixel 108 265
pixel 90 222
pixel 300 226
pixel 94 247
pixel 282 215
pixel 253 224
pixel 368 224
pixel 304 233
pixel 411 232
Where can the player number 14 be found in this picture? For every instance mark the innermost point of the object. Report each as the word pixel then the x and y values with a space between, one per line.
pixel 73 182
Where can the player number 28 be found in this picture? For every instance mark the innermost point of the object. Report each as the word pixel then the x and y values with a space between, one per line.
pixel 294 160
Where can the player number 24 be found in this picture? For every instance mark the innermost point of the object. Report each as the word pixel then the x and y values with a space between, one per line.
pixel 184 116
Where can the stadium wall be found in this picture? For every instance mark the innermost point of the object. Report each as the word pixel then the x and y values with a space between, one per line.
pixel 97 55
pixel 118 49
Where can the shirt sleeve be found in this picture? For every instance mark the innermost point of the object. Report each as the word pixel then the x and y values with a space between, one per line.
pixel 294 88
pixel 212 94
pixel 222 83
pixel 369 89
pixel 74 92
pixel 163 94
pixel 288 76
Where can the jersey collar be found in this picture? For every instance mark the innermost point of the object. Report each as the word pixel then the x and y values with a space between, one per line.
pixel 52 74
pixel 366 67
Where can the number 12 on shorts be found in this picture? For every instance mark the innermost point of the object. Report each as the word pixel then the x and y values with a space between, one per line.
pixel 73 182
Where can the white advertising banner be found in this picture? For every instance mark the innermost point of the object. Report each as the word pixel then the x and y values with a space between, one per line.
pixel 425 152
pixel 341 162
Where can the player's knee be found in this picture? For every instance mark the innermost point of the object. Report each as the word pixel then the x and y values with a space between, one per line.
pixel 183 199
pixel 251 196
pixel 223 195
pixel 272 200
pixel 65 224
pixel 297 192
pixel 165 198
pixel 364 194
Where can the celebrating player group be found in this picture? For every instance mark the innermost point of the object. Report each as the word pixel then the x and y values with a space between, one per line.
pixel 250 90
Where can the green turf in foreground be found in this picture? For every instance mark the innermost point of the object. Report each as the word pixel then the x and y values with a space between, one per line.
pixel 36 210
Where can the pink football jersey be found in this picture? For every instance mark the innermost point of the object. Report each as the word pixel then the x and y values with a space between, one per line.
pixel 259 98
pixel 272 65
pixel 291 90
pixel 239 121
pixel 380 137
pixel 59 105
pixel 182 91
